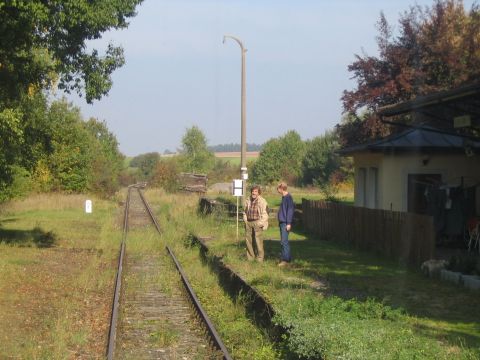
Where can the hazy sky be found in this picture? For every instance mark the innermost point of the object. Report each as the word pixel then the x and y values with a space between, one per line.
pixel 179 74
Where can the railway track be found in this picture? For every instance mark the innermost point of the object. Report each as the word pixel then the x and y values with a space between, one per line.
pixel 149 321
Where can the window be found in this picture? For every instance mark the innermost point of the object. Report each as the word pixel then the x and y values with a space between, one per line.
pixel 372 191
pixel 361 191
pixel 417 185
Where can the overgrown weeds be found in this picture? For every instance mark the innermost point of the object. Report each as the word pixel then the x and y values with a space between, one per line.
pixel 56 277
pixel 337 303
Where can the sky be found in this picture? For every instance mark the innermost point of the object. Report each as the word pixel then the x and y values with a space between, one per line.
pixel 179 74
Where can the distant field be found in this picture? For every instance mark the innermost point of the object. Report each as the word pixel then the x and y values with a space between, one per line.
pixel 234 154
pixel 233 157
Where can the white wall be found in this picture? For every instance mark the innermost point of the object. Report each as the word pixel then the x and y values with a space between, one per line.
pixel 368 180
pixel 393 171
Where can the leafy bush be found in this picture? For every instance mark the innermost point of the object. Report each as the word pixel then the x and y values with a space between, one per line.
pixel 165 175
pixel 334 328
pixel 223 171
pixel 146 164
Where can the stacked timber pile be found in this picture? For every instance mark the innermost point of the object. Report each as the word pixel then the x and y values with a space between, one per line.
pixel 192 182
pixel 218 207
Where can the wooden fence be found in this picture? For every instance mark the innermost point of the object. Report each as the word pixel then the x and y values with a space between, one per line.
pixel 397 235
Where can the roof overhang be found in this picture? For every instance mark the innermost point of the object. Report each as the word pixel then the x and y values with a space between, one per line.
pixel 455 102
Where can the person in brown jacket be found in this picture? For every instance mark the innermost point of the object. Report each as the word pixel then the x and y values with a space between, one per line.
pixel 255 216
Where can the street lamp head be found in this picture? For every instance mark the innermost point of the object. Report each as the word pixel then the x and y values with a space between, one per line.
pixel 234 38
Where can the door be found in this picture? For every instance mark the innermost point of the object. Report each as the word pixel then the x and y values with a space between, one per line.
pixel 417 185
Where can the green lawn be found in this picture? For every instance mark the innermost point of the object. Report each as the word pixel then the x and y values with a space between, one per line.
pixel 341 303
pixel 273 198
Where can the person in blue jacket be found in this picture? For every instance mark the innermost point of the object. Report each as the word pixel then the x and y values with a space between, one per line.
pixel 285 218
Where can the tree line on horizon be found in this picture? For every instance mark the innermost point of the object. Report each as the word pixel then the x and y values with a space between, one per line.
pixel 312 162
pixel 232 147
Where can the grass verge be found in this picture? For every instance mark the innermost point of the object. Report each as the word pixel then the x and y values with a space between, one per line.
pixel 56 275
pixel 338 303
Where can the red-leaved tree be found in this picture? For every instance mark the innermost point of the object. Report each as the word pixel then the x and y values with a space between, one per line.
pixel 436 48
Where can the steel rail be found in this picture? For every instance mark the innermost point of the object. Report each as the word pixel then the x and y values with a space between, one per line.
pixel 218 343
pixel 150 211
pixel 118 284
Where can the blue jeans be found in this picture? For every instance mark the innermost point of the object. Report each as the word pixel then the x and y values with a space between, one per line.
pixel 284 242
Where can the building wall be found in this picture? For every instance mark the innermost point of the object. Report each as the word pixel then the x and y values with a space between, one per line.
pixel 392 176
pixel 368 180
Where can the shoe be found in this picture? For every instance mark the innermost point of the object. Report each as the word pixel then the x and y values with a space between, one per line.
pixel 282 263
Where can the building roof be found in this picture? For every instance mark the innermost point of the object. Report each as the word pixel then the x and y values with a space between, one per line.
pixel 440 111
pixel 417 139
pixel 444 104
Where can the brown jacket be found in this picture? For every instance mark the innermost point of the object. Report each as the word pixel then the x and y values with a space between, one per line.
pixel 262 209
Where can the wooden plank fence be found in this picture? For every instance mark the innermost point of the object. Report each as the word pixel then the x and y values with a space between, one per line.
pixel 397 235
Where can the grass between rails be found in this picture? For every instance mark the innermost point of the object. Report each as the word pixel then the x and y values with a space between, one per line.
pixel 56 275
pixel 178 220
pixel 339 303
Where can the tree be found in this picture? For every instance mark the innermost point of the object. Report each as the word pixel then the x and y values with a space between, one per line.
pixel 42 45
pixel 72 149
pixel 42 42
pixel 195 153
pixel 437 48
pixel 146 163
pixel 321 159
pixel 25 133
pixel 165 174
pixel 108 161
pixel 11 135
pixel 280 159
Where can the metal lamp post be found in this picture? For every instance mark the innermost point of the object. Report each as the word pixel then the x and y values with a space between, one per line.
pixel 243 156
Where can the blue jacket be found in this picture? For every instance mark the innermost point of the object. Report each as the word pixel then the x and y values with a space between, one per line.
pixel 286 210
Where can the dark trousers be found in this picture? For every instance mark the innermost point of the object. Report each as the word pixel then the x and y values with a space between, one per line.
pixel 284 243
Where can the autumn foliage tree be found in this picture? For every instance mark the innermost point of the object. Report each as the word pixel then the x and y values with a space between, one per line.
pixel 436 48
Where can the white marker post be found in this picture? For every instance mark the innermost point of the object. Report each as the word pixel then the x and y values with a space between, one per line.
pixel 88 206
pixel 237 191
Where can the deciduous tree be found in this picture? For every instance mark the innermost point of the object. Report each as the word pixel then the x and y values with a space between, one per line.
pixel 146 164
pixel 45 41
pixel 321 160
pixel 437 48
pixel 280 158
pixel 197 157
